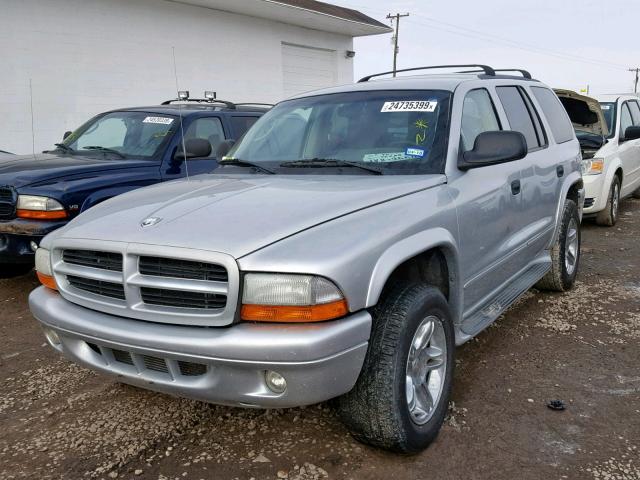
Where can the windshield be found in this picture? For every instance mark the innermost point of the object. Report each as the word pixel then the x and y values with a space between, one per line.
pixel 609 111
pixel 130 134
pixel 396 132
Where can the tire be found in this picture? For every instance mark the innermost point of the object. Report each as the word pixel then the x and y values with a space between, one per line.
pixel 609 216
pixel 11 270
pixel 565 254
pixel 378 410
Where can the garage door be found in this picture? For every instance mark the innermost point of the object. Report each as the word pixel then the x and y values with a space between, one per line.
pixel 307 68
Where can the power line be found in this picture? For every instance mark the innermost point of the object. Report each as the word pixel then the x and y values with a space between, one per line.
pixel 397 18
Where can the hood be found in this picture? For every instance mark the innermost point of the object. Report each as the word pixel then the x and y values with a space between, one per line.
pixel 237 214
pixel 585 112
pixel 24 170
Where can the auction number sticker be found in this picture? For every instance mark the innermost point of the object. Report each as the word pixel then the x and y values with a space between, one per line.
pixel 160 120
pixel 410 106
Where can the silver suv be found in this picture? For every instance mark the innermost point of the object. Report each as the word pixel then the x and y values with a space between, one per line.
pixel 343 248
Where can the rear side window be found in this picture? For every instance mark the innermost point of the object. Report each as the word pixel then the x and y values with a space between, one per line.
pixel 521 115
pixel 478 116
pixel 557 117
pixel 207 128
pixel 242 124
pixel 635 112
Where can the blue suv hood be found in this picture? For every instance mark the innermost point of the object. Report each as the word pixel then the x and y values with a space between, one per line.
pixel 29 170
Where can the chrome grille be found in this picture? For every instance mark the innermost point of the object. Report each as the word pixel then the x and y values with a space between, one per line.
pixel 173 298
pixel 8 200
pixel 105 260
pixel 97 287
pixel 171 267
pixel 146 282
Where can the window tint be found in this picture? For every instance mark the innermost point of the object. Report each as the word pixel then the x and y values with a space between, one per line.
pixel 635 112
pixel 518 115
pixel 210 129
pixel 559 122
pixel 242 124
pixel 478 116
pixel 625 118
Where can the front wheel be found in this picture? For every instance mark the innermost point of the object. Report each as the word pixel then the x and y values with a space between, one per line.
pixel 565 253
pixel 609 216
pixel 401 397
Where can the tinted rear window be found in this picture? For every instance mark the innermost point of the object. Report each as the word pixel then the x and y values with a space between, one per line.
pixel 242 124
pixel 557 117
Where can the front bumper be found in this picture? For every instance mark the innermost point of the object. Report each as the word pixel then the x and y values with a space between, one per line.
pixel 224 365
pixel 595 193
pixel 16 236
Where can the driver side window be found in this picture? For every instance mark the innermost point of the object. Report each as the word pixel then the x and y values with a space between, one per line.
pixel 625 119
pixel 207 128
pixel 478 116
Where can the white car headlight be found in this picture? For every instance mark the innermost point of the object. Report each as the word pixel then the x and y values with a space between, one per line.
pixel 43 268
pixel 592 166
pixel 279 297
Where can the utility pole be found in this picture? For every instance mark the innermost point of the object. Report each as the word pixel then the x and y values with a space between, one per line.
pixel 397 18
pixel 637 72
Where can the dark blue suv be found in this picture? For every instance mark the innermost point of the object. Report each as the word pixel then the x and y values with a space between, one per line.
pixel 112 153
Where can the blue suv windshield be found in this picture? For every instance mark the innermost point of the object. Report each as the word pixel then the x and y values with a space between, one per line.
pixel 124 134
pixel 395 132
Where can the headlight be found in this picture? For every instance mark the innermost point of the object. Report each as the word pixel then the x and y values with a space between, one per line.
pixel 275 297
pixel 44 208
pixel 43 268
pixel 592 166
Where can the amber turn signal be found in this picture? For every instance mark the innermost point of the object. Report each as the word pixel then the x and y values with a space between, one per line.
pixel 294 313
pixel 42 214
pixel 47 281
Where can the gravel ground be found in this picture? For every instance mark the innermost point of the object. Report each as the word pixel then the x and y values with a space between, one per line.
pixel 583 347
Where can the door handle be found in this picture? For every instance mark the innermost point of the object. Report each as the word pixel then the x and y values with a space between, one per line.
pixel 515 187
pixel 560 171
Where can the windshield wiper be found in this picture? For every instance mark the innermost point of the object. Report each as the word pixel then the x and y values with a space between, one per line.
pixel 330 162
pixel 64 148
pixel 244 163
pixel 105 150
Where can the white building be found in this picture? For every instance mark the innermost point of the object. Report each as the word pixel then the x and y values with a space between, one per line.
pixel 72 59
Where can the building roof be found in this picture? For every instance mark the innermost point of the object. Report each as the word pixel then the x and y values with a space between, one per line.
pixel 304 13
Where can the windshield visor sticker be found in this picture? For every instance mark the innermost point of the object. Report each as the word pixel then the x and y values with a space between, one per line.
pixel 384 157
pixel 410 106
pixel 159 120
pixel 413 152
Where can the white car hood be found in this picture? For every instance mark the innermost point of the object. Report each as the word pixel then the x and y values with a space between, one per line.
pixel 578 107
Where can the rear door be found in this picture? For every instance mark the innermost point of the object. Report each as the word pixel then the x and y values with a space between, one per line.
pixel 540 172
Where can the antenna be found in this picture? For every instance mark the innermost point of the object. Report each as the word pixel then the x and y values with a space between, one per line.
pixel 184 149
pixel 33 134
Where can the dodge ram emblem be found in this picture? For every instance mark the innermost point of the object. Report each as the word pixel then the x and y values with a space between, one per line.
pixel 148 222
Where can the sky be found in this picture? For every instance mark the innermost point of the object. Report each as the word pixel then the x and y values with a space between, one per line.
pixel 564 43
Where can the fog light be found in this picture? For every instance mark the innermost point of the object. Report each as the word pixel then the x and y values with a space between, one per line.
pixel 52 337
pixel 33 245
pixel 275 381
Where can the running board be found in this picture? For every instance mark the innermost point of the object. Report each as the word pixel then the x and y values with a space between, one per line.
pixel 486 315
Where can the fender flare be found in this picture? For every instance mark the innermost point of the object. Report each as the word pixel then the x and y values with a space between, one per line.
pixel 105 194
pixel 408 248
pixel 572 179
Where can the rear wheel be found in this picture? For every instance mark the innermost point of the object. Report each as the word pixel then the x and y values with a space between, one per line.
pixel 401 397
pixel 609 216
pixel 565 254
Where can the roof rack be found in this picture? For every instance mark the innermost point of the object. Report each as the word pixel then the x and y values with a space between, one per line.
pixel 524 73
pixel 254 104
pixel 487 70
pixel 207 101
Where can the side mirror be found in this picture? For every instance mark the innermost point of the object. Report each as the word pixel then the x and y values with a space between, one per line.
pixel 194 148
pixel 492 148
pixel 631 133
pixel 224 148
pixel 66 134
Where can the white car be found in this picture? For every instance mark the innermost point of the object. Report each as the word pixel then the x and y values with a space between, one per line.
pixel 611 152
